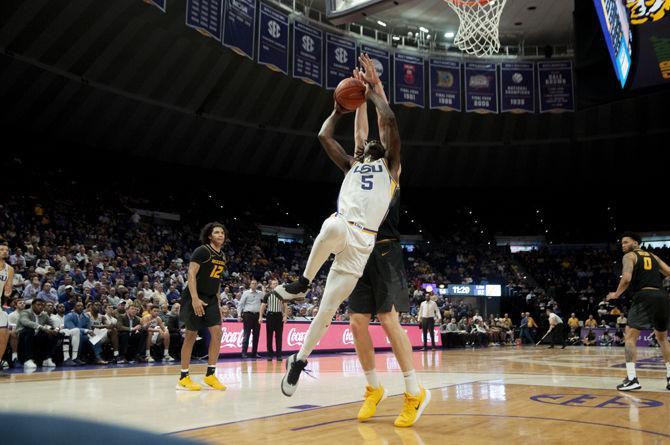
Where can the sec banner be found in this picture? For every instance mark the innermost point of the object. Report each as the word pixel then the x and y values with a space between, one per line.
pixel 238 26
pixel 408 80
pixel 555 84
pixel 160 4
pixel 481 90
pixel 445 85
pixel 340 59
pixel 382 59
pixel 273 39
pixel 307 42
pixel 517 88
pixel 205 17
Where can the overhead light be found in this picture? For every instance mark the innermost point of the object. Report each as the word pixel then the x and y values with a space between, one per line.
pixel 428 36
pixel 380 23
pixel 396 38
pixel 422 29
pixel 448 35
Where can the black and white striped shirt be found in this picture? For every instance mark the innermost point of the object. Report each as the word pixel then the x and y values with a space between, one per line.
pixel 274 304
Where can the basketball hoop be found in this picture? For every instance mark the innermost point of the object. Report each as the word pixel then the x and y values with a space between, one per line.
pixel 478 33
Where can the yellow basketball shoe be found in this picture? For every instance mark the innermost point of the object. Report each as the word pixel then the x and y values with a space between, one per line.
pixel 373 396
pixel 214 383
pixel 186 384
pixel 413 408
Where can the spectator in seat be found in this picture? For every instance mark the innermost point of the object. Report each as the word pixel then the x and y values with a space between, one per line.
pixel 157 334
pixel 70 337
pixel 606 339
pixel 621 321
pixel 591 322
pixel 176 329
pixel 37 336
pixel 132 338
pixel 589 339
pixel 105 328
pixel 77 319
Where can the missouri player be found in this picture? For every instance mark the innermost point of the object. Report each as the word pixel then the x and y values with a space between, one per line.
pixel 650 308
pixel 200 304
pixel 382 290
pixel 6 280
pixel 365 195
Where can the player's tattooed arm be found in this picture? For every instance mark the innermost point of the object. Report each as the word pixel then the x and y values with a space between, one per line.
pixel 388 126
pixel 626 276
pixel 327 139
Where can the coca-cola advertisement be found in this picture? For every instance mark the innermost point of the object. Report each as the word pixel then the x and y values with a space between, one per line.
pixel 338 337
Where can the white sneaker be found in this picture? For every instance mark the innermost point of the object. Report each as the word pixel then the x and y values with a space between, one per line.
pixel 150 359
pixel 30 364
pixel 48 363
pixel 167 358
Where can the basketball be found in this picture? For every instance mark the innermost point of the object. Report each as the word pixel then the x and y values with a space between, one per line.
pixel 350 94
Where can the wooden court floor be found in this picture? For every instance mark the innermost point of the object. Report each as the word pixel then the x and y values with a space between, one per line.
pixel 480 396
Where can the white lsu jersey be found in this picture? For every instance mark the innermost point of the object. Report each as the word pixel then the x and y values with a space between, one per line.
pixel 4 276
pixel 366 193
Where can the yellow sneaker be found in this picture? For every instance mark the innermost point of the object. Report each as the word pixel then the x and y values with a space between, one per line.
pixel 186 384
pixel 373 396
pixel 413 408
pixel 214 383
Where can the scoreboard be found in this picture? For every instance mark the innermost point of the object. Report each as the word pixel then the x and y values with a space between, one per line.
pixel 615 23
pixel 346 11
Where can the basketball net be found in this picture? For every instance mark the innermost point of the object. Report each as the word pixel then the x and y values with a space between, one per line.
pixel 480 22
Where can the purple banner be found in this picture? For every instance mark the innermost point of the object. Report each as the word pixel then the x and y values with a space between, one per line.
pixel 273 39
pixel 645 338
pixel 555 86
pixel 481 87
pixel 382 60
pixel 517 88
pixel 160 4
pixel 340 59
pixel 239 20
pixel 408 88
pixel 205 17
pixel 307 42
pixel 445 85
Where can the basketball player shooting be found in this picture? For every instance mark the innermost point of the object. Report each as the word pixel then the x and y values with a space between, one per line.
pixel 650 308
pixel 365 195
pixel 382 290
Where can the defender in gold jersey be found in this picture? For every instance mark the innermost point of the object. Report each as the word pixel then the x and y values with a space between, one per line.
pixel 650 308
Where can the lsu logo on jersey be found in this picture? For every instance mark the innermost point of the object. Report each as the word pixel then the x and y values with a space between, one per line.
pixel 368 168
pixel 643 11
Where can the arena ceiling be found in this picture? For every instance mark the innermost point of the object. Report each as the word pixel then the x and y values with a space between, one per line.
pixel 123 76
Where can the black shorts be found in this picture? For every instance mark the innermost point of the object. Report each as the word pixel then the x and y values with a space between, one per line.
pixel 383 284
pixel 212 316
pixel 649 309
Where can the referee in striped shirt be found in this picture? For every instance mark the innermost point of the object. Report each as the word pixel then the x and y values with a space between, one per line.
pixel 277 312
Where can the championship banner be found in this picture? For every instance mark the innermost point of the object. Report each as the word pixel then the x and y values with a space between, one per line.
pixel 205 17
pixel 160 4
pixel 555 86
pixel 382 61
pixel 338 337
pixel 408 85
pixel 445 85
pixel 307 42
pixel 340 59
pixel 481 88
pixel 517 88
pixel 273 39
pixel 239 19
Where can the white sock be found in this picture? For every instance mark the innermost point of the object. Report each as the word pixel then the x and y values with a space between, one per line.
pixel 166 352
pixel 411 384
pixel 116 353
pixel 66 356
pixel 15 355
pixel 667 369
pixel 75 354
pixel 338 287
pixel 148 353
pixel 630 370
pixel 371 377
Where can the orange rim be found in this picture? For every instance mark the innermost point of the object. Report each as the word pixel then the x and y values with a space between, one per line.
pixel 469 2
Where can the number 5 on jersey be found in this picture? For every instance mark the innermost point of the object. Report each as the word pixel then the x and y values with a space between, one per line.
pixel 366 182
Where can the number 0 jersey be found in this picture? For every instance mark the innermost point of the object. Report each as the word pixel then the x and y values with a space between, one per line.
pixel 646 272
pixel 208 278
pixel 366 193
